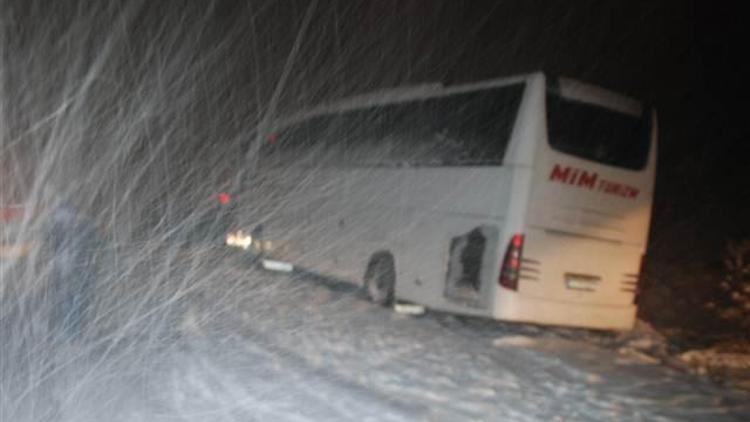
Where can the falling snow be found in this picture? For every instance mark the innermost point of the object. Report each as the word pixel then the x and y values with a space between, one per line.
pixel 132 117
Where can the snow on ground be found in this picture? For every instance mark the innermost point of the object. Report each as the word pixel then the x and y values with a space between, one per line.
pixel 725 361
pixel 299 347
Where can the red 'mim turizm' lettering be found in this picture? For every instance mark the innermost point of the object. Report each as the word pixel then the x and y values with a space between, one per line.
pixel 559 174
pixel 587 180
pixel 590 180
pixel 573 176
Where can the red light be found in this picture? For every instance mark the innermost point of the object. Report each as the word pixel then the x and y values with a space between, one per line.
pixel 509 272
pixel 224 198
pixel 273 138
pixel 11 213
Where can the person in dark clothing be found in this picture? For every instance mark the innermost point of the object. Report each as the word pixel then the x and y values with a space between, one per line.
pixel 74 244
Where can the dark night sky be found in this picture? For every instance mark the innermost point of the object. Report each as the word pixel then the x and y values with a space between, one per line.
pixel 683 57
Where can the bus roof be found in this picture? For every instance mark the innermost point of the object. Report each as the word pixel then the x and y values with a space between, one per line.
pixel 577 90
pixel 396 95
pixel 568 87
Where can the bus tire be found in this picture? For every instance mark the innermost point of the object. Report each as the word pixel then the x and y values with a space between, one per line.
pixel 380 279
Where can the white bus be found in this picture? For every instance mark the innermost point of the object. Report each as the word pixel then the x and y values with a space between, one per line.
pixel 523 199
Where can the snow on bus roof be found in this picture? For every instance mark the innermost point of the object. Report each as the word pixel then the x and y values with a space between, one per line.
pixel 396 95
pixel 577 90
pixel 569 88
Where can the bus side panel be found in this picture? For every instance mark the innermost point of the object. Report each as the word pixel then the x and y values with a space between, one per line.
pixel 371 218
pixel 448 203
pixel 302 220
pixel 441 206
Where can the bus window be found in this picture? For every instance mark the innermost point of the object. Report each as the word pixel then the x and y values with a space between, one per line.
pixel 464 129
pixel 598 134
pixel 308 143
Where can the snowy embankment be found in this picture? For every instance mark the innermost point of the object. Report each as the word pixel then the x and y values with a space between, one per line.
pixel 727 362
pixel 303 348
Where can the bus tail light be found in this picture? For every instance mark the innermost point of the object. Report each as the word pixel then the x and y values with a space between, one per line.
pixel 512 263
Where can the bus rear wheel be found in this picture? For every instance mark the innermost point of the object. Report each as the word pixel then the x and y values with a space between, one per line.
pixel 380 279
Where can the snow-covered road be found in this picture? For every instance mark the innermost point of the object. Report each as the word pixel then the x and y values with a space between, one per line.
pixel 297 347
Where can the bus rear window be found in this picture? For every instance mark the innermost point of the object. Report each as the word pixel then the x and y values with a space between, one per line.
pixel 598 134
